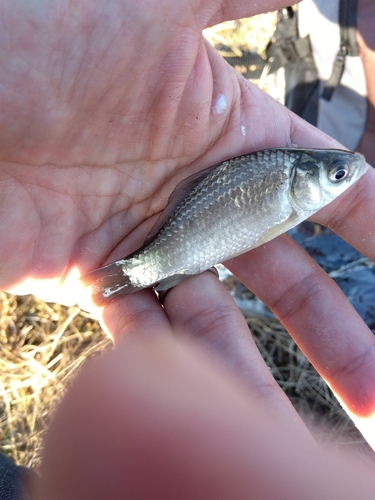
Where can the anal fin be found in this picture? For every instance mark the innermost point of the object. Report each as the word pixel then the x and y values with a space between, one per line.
pixel 172 281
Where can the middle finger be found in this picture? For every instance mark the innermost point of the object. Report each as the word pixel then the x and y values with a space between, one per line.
pixel 203 310
pixel 317 315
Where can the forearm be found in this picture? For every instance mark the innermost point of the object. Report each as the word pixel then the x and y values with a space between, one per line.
pixel 366 44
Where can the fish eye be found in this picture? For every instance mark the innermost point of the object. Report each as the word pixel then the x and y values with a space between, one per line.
pixel 339 172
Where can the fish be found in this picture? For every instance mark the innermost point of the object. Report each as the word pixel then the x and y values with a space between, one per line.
pixel 226 210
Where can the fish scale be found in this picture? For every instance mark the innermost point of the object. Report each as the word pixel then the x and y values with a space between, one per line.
pixel 228 209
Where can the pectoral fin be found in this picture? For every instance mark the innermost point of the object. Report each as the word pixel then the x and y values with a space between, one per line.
pixel 281 228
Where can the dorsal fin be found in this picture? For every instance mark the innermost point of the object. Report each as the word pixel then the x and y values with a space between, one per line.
pixel 179 193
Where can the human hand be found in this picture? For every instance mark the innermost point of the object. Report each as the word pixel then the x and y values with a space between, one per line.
pixel 366 46
pixel 185 408
pixel 104 109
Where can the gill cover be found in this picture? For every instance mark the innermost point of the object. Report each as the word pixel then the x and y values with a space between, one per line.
pixel 305 184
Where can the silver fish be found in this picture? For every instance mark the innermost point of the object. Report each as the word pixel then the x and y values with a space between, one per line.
pixel 226 210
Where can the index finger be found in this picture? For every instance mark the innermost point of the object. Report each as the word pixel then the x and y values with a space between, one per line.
pixel 320 319
pixel 351 216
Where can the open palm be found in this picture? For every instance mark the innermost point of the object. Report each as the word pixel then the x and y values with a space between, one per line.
pixel 102 112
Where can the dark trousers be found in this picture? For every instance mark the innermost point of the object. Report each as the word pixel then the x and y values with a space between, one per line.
pixel 13 480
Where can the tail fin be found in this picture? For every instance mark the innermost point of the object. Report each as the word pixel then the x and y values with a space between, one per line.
pixel 108 282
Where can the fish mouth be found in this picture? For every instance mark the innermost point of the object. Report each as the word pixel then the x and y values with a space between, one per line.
pixel 360 166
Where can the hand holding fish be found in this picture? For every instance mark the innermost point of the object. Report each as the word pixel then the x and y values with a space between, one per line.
pixel 164 419
pixel 104 109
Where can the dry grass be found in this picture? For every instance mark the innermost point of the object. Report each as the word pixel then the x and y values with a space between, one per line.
pixel 234 38
pixel 42 345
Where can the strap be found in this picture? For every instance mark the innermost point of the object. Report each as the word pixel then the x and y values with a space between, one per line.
pixel 348 45
pixel 282 49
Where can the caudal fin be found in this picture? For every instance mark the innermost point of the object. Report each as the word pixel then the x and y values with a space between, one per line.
pixel 107 283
